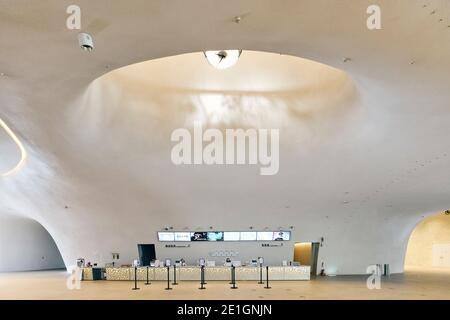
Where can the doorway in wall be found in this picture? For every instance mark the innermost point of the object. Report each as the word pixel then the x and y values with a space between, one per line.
pixel 307 254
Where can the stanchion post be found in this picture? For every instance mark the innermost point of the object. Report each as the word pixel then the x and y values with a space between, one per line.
pixel 168 279
pixel 202 277
pixel 260 274
pixel 267 278
pixel 135 279
pixel 233 277
pixel 147 283
pixel 174 275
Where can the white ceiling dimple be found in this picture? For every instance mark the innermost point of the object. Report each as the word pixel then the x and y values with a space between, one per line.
pixel 262 89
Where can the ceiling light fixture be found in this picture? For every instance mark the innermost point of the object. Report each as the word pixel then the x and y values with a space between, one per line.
pixel 222 59
pixel 23 153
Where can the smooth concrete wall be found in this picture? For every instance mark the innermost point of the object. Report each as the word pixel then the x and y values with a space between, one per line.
pixel 25 245
pixel 429 245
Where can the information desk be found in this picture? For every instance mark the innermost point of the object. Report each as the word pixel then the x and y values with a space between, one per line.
pixel 211 273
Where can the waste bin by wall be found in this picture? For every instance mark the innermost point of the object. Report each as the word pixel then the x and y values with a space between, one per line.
pixel 386 272
pixel 96 273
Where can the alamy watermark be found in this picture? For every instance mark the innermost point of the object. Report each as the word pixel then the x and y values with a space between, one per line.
pixel 73 282
pixel 374 280
pixel 73 21
pixel 374 20
pixel 236 146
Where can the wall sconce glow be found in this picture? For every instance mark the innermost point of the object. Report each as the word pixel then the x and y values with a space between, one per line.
pixel 223 59
pixel 23 153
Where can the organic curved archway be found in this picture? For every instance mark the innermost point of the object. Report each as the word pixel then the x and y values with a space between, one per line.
pixel 429 243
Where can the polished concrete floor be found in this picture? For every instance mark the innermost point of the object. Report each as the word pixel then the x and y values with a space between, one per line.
pixel 413 284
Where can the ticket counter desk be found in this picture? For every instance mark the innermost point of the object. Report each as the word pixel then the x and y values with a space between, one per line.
pixel 192 273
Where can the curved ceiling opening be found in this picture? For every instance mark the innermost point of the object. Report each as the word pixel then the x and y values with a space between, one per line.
pixel 261 90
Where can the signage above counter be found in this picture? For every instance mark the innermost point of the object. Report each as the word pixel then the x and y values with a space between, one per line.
pixel 212 236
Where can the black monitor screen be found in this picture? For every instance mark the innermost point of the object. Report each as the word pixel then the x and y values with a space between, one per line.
pixel 199 236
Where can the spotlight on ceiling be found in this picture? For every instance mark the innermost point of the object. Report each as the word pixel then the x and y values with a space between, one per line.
pixel 222 59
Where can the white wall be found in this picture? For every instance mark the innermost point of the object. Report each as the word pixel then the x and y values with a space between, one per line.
pixel 25 245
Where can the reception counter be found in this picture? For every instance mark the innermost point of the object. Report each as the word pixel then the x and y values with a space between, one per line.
pixel 211 273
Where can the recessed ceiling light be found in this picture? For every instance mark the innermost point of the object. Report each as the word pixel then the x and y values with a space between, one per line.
pixel 222 59
pixel 237 19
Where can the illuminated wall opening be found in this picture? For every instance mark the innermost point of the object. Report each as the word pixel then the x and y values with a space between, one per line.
pixel 429 244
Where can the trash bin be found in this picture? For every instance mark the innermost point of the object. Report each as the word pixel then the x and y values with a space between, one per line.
pixel 96 273
pixel 386 272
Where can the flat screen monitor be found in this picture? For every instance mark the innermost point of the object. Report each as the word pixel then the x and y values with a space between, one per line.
pixel 166 236
pixel 264 236
pixel 248 236
pixel 281 235
pixel 182 236
pixel 215 236
pixel 147 254
pixel 199 236
pixel 231 236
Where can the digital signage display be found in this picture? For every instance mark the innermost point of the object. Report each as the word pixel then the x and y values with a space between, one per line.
pixel 182 236
pixel 199 236
pixel 231 236
pixel 281 236
pixel 224 236
pixel 166 236
pixel 248 236
pixel 264 236
pixel 215 236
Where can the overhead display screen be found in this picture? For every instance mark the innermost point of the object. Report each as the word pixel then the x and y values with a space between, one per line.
pixel 248 236
pixel 264 236
pixel 199 236
pixel 215 236
pixel 281 236
pixel 231 236
pixel 166 236
pixel 212 236
pixel 182 236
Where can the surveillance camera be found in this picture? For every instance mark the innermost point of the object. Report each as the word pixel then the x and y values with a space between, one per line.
pixel 85 41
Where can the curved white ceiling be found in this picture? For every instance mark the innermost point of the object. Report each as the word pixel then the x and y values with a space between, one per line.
pixel 367 170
